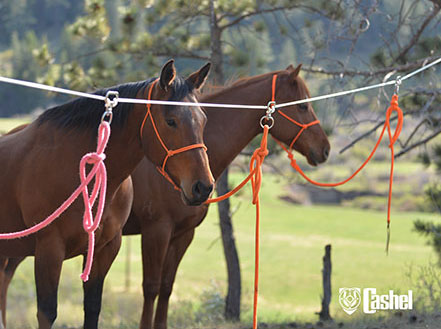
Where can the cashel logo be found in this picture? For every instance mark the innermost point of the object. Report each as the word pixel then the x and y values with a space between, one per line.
pixel 350 299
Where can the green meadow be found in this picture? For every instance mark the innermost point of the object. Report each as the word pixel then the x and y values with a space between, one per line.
pixel 293 238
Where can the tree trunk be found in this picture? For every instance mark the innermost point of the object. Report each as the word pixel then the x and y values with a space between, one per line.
pixel 232 301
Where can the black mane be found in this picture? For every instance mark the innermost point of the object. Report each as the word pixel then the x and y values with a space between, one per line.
pixel 85 113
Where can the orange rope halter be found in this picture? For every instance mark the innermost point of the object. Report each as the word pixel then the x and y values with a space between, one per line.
pixel 170 153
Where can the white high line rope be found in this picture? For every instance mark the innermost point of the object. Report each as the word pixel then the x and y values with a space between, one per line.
pixel 236 106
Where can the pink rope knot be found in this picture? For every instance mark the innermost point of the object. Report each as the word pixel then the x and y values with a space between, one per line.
pixel 90 224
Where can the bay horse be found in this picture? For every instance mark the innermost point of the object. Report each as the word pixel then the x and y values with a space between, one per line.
pixel 167 226
pixel 40 170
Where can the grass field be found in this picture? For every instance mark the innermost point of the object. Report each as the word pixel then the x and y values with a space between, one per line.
pixel 293 238
pixel 292 243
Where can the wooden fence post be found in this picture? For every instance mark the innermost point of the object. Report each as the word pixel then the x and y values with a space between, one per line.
pixel 326 275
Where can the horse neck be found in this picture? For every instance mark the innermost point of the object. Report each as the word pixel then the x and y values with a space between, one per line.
pixel 124 150
pixel 228 131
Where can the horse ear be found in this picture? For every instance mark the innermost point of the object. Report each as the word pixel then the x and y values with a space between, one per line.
pixel 168 74
pixel 290 68
pixel 198 78
pixel 296 71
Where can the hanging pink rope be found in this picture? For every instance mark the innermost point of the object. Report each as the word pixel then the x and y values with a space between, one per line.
pixel 90 223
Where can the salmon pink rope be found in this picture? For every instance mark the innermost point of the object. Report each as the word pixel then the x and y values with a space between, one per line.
pixel 90 223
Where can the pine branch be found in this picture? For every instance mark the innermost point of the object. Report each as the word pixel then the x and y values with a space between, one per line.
pixel 419 143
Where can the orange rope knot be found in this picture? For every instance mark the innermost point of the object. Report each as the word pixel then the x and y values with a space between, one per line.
pixel 256 164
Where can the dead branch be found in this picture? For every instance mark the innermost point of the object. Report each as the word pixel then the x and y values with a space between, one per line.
pixel 421 142
pixel 417 35
pixel 380 72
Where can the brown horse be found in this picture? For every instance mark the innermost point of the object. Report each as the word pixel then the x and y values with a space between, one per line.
pixel 167 226
pixel 40 170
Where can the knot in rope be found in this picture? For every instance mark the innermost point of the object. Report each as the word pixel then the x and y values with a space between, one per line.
pixel 394 107
pixel 91 223
pixel 94 158
pixel 256 163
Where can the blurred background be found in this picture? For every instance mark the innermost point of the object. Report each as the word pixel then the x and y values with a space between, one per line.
pixel 89 44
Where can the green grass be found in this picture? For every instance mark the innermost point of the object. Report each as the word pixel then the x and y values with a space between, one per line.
pixel 292 245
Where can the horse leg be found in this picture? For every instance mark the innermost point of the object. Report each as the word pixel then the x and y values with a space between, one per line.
pixel 176 251
pixel 7 275
pixel 49 257
pixel 93 288
pixel 155 241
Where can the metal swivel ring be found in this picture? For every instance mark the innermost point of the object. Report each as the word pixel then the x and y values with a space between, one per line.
pixel 269 119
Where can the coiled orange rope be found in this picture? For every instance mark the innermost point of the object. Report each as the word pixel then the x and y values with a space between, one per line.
pixel 392 139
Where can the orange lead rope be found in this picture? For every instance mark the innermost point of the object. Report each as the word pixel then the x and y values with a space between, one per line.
pixel 170 153
pixel 259 155
pixel 392 139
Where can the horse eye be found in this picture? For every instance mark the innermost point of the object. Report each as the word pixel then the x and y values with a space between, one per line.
pixel 303 106
pixel 171 122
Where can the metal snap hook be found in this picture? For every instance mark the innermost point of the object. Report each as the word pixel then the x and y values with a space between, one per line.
pixel 397 85
pixel 110 102
pixel 111 99
pixel 270 109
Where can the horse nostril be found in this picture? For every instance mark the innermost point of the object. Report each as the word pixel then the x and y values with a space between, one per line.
pixel 201 191
pixel 326 152
pixel 196 189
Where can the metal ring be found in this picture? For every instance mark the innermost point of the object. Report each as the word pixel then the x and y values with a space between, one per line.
pixel 366 26
pixel 270 118
pixel 107 114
